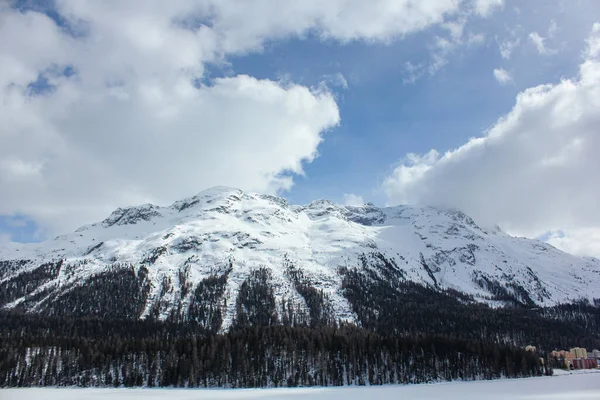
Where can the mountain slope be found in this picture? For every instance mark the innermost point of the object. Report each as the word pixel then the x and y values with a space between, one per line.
pixel 205 258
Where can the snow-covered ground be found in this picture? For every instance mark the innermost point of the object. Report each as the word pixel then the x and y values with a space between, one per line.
pixel 572 387
pixel 559 372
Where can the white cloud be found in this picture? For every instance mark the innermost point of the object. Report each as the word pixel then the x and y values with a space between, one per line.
pixel 12 168
pixel 538 42
pixel 533 172
pixel 507 47
pixel 412 72
pixel 593 44
pixel 455 28
pixel 487 7
pixel 161 144
pixel 441 51
pixel 131 126
pixel 584 242
pixel 552 29
pixel 444 46
pixel 336 80
pixel 475 38
pixel 246 24
pixel 351 199
pixel 502 76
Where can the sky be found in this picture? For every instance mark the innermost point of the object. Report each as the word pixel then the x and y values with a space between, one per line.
pixel 487 106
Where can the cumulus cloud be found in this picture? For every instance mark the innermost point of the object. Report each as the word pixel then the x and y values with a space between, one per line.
pixel 502 76
pixel 351 199
pixel 535 171
pixel 246 24
pixel 112 106
pixel 584 242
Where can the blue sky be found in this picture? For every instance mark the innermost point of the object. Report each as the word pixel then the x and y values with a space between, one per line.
pixel 382 115
pixel 100 94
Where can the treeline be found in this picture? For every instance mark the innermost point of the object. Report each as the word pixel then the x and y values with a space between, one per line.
pixel 388 304
pixel 92 334
pixel 129 353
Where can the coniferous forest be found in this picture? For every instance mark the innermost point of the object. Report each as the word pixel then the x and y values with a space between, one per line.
pixel 405 333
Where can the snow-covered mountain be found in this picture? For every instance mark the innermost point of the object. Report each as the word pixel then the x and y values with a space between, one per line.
pixel 194 257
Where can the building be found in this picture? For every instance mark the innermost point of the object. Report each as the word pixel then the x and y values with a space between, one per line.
pixel 584 363
pixel 578 352
pixel 559 354
pixel 576 358
pixel 558 359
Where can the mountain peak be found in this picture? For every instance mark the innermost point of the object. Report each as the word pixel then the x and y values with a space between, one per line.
pixel 219 191
pixel 208 196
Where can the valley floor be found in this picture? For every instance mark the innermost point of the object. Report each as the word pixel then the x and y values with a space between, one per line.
pixel 576 386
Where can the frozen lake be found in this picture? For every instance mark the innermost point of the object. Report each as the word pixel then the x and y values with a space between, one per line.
pixel 572 387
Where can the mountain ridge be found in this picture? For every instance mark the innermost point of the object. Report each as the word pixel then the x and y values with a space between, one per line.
pixel 198 254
